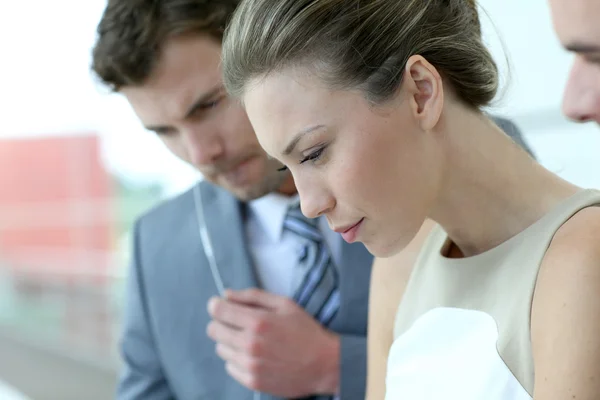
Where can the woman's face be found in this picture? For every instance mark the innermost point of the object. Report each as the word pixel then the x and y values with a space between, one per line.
pixel 371 170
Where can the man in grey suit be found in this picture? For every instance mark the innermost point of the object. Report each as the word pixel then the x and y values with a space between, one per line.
pixel 304 331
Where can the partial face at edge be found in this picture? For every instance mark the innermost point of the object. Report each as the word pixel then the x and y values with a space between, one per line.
pixel 577 24
pixel 351 161
pixel 185 103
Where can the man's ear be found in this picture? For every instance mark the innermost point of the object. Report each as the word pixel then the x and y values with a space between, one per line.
pixel 425 90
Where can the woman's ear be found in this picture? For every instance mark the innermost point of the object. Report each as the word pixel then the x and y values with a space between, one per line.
pixel 426 91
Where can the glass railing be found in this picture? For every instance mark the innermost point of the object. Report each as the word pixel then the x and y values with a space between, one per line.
pixel 78 313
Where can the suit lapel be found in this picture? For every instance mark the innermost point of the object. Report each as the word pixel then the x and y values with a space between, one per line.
pixel 356 256
pixel 225 226
pixel 355 277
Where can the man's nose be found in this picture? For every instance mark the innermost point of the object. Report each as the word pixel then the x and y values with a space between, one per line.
pixel 203 148
pixel 581 101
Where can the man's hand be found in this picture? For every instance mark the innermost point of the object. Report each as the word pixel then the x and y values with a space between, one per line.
pixel 272 345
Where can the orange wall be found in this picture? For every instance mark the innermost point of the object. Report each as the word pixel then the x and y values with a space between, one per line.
pixel 41 181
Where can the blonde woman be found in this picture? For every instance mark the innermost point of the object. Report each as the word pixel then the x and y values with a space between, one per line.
pixel 375 108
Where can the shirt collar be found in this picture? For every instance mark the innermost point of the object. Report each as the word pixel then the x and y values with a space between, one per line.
pixel 270 212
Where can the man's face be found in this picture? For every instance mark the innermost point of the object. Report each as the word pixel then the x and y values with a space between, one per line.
pixel 185 103
pixel 577 23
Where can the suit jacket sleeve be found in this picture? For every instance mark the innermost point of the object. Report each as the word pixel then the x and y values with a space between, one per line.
pixel 353 367
pixel 142 376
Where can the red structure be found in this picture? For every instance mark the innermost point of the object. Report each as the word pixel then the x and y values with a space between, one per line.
pixel 55 207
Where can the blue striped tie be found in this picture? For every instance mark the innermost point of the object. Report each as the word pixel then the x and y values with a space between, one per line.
pixel 318 293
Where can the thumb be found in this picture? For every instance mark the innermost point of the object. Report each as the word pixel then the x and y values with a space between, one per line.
pixel 254 297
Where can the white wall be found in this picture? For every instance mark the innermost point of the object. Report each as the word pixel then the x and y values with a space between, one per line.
pixel 538 72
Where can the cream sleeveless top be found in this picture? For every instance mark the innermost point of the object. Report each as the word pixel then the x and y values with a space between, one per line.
pixel 462 330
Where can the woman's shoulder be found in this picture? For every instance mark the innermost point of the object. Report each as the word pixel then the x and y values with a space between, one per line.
pixel 576 244
pixel 573 256
pixel 564 321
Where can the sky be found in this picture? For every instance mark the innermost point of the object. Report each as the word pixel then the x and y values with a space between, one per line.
pixel 46 88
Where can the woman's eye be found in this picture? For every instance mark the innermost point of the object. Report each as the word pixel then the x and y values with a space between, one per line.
pixel 314 156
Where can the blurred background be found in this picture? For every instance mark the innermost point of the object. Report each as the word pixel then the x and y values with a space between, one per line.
pixel 76 169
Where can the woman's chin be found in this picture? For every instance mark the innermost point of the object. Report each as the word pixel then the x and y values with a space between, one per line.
pixel 386 249
pixel 381 250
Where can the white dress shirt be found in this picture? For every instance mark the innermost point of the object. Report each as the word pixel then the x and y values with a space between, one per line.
pixel 275 251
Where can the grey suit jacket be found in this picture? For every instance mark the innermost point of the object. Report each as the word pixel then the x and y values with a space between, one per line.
pixel 166 352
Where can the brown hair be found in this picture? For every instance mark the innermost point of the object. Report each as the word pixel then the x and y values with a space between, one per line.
pixel 131 34
pixel 361 44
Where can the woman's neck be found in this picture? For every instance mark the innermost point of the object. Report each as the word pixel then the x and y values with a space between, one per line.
pixel 492 189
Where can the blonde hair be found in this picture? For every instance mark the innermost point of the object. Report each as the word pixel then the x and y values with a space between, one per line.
pixel 360 44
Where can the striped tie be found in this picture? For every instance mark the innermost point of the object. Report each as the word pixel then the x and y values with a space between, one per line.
pixel 318 293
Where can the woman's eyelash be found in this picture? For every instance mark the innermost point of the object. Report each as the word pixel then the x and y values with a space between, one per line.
pixel 314 156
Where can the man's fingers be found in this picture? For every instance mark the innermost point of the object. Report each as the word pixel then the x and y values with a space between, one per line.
pixel 224 334
pixel 256 298
pixel 242 360
pixel 242 376
pixel 227 353
pixel 237 315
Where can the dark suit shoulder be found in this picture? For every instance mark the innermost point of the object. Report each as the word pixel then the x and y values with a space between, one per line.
pixel 177 210
pixel 512 130
pixel 173 222
pixel 162 231
pixel 169 211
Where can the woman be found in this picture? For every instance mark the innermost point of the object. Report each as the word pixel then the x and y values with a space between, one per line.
pixel 375 107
